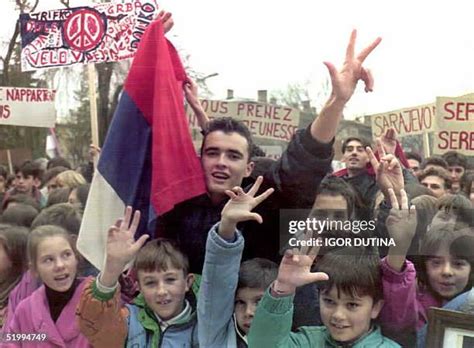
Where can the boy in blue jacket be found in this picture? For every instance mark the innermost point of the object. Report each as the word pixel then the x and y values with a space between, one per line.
pixel 228 297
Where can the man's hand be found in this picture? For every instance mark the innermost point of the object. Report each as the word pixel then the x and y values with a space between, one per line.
pixel 121 246
pixel 166 19
pixel 191 93
pixel 401 226
pixel 239 208
pixel 345 80
pixel 388 171
pixel 192 97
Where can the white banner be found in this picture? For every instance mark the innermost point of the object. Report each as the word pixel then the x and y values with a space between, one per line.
pixel 33 107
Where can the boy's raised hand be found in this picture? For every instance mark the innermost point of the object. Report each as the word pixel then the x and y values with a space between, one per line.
pixel 121 246
pixel 401 226
pixel 239 208
pixel 295 270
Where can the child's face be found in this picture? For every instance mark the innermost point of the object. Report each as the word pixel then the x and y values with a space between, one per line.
pixel 24 184
pixel 56 263
pixel 447 276
pixel 347 317
pixel 164 291
pixel 5 263
pixel 246 301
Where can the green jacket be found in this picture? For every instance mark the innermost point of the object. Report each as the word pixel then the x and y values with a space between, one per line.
pixel 271 327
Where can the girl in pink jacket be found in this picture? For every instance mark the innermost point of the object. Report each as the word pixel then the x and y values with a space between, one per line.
pixel 441 274
pixel 47 317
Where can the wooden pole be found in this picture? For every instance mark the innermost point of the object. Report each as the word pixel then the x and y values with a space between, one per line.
pixel 426 145
pixel 92 74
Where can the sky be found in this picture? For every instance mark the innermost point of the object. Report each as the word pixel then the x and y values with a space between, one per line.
pixel 427 47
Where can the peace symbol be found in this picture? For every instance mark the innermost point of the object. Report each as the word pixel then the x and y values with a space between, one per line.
pixel 84 29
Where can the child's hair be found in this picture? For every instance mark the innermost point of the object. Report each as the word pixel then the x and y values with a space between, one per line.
pixel 437 236
pixel 42 232
pixel 58 162
pixel 21 198
pixel 64 215
pixel 59 195
pixel 52 173
pixel 70 178
pixel 29 168
pixel 454 158
pixel 353 271
pixel 334 186
pixel 14 239
pixel 19 214
pixel 257 273
pixel 459 206
pixel 160 255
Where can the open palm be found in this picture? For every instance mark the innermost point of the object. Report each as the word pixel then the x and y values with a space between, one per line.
pixel 121 245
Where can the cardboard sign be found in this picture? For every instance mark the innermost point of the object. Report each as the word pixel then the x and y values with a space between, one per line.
pixel 455 118
pixel 409 121
pixel 103 33
pixel 265 121
pixel 33 107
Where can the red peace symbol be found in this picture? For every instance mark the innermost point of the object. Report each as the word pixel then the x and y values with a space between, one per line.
pixel 84 29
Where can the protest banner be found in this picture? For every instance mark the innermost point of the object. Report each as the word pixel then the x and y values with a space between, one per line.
pixel 455 119
pixel 265 121
pixel 33 107
pixel 102 33
pixel 408 121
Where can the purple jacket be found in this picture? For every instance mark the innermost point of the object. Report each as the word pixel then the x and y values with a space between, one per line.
pixel 405 306
pixel 32 316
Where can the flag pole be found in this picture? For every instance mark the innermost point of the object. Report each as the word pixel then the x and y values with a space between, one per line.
pixel 91 72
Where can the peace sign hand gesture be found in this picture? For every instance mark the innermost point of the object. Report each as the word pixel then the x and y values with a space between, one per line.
pixel 239 208
pixel 388 171
pixel 345 80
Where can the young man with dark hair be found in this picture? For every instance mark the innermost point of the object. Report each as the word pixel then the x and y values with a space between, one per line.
pixel 457 164
pixel 295 176
pixel 437 180
pixel 27 182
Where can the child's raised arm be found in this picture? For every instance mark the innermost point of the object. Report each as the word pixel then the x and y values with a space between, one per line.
pixel 401 226
pixel 221 268
pixel 271 326
pixel 121 247
pixel 100 314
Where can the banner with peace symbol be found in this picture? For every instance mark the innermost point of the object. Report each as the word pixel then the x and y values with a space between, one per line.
pixel 103 33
